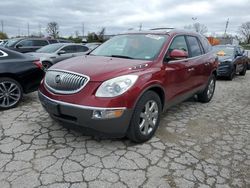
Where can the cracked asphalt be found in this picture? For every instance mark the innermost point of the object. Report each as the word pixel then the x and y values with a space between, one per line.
pixel 196 145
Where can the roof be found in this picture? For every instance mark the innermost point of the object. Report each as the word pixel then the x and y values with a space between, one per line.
pixel 163 31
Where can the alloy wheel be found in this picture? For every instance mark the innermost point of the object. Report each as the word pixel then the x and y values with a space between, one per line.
pixel 10 94
pixel 211 87
pixel 149 117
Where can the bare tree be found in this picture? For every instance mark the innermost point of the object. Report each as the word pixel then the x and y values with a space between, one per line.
pixel 244 30
pixel 53 29
pixel 101 34
pixel 198 27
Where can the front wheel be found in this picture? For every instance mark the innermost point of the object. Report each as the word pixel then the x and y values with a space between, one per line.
pixel 146 117
pixel 243 72
pixel 10 93
pixel 208 93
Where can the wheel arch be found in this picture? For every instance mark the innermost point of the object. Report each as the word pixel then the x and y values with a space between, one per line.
pixel 14 77
pixel 158 89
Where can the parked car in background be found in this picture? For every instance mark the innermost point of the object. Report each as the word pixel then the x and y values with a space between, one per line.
pixel 54 53
pixel 64 41
pixel 2 42
pixel 19 73
pixel 122 91
pixel 93 45
pixel 232 60
pixel 25 45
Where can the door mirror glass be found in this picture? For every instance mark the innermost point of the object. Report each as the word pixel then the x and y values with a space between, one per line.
pixel 178 55
pixel 61 52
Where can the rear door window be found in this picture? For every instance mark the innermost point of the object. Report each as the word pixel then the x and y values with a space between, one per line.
pixel 40 42
pixel 69 49
pixel 195 47
pixel 81 48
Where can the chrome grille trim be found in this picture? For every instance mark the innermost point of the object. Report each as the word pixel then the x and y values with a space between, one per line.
pixel 70 82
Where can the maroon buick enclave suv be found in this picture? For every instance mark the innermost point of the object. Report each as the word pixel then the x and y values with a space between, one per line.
pixel 121 87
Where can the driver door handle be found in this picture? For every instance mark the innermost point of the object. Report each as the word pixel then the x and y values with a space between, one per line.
pixel 190 69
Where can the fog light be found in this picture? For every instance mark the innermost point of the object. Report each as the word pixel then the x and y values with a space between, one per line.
pixel 107 114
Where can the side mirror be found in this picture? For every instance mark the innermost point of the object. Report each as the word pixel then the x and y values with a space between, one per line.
pixel 177 55
pixel 61 52
pixel 19 45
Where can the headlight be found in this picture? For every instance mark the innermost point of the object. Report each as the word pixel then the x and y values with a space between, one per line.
pixel 116 86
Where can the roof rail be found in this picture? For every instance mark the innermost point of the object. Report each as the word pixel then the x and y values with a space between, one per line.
pixel 162 28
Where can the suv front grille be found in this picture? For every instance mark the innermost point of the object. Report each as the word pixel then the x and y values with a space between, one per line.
pixel 65 82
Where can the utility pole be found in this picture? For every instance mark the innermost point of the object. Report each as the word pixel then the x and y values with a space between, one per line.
pixel 28 28
pixel 2 25
pixel 82 29
pixel 140 26
pixel 18 31
pixel 226 27
pixel 39 28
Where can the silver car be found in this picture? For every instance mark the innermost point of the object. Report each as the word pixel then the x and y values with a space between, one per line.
pixel 54 53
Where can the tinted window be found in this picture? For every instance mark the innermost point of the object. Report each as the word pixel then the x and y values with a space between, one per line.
pixel 206 45
pixel 178 43
pixel 69 49
pixel 52 41
pixel 81 48
pixel 1 54
pixel 40 42
pixel 26 43
pixel 194 45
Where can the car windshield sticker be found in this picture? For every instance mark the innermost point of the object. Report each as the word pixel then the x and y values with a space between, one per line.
pixel 156 37
pixel 221 53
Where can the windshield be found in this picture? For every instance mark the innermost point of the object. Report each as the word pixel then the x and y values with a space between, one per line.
pixel 50 48
pixel 223 50
pixel 136 46
pixel 10 42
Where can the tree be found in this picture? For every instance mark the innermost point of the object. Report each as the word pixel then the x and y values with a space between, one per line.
pixel 244 30
pixel 198 27
pixel 93 37
pixel 3 35
pixel 53 29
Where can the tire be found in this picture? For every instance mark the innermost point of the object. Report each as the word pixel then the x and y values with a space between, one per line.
pixel 11 93
pixel 243 72
pixel 46 65
pixel 142 117
pixel 208 92
pixel 232 74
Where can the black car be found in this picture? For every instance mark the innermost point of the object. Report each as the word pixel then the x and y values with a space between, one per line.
pixel 25 45
pixel 19 73
pixel 232 60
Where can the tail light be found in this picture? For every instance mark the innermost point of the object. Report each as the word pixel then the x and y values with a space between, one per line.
pixel 38 64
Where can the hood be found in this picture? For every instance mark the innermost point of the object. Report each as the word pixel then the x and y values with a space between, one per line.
pixel 225 58
pixel 100 68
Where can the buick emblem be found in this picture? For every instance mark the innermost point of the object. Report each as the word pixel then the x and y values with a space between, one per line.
pixel 58 79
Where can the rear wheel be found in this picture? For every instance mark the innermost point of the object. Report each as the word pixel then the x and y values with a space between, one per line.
pixel 208 93
pixel 10 93
pixel 243 72
pixel 146 117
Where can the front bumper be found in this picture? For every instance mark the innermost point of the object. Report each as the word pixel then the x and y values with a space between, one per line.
pixel 224 70
pixel 82 116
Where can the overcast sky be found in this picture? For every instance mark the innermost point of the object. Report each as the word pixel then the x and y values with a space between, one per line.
pixel 118 16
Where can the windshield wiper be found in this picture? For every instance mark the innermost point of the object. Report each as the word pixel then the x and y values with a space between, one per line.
pixel 122 56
